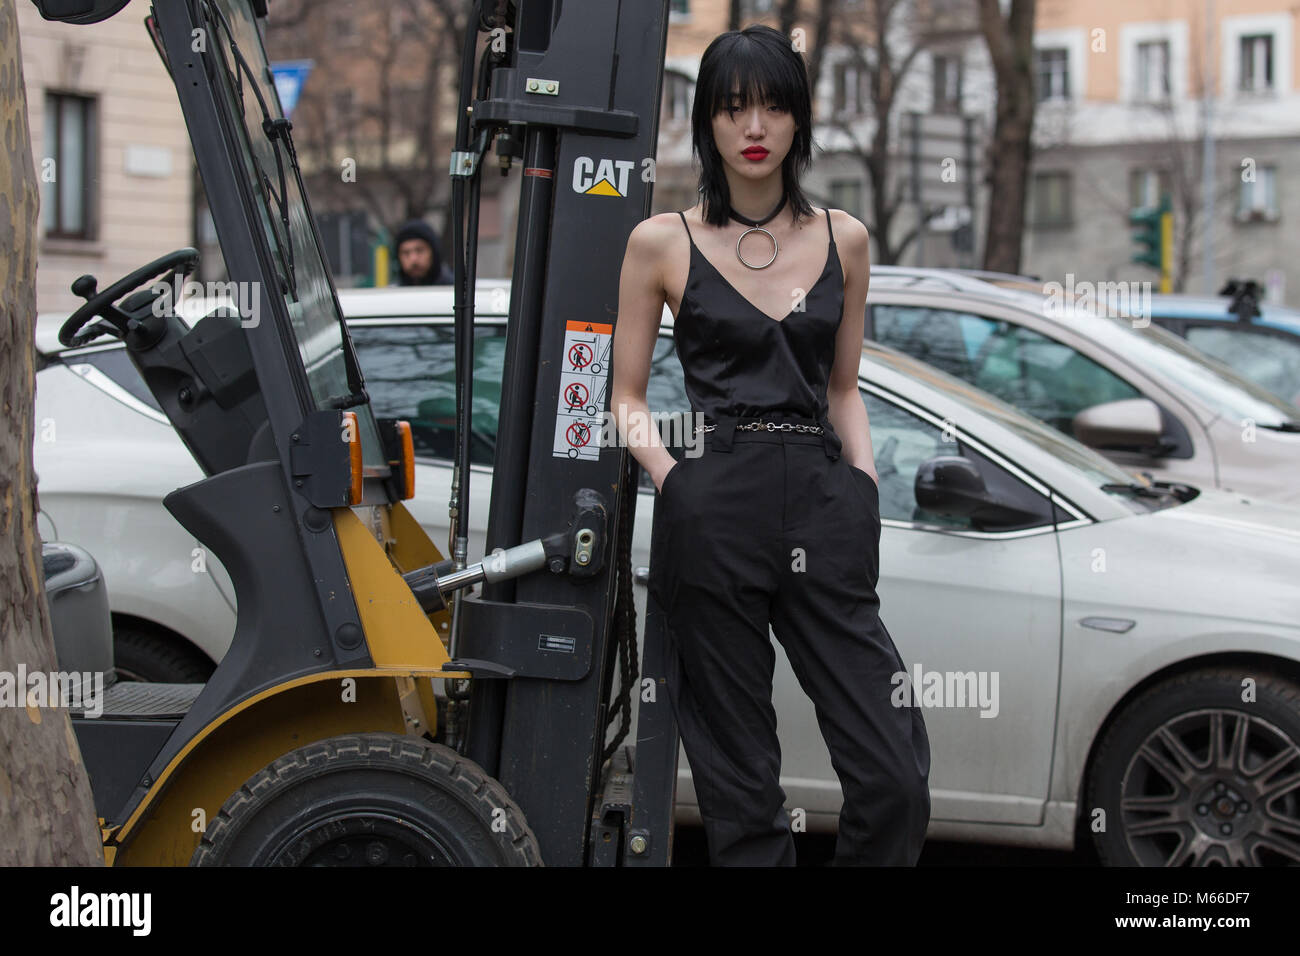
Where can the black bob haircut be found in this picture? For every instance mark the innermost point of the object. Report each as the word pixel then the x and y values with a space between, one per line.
pixel 763 65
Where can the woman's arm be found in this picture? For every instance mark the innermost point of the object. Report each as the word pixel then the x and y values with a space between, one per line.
pixel 848 413
pixel 640 307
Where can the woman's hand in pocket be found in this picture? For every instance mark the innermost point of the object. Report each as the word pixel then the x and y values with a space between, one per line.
pixel 870 473
pixel 663 475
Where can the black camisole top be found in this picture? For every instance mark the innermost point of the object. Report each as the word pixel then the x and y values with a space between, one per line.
pixel 740 362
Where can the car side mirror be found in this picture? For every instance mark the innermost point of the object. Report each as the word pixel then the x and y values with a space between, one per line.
pixel 1129 424
pixel 953 487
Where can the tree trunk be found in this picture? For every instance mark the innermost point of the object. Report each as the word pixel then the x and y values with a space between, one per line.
pixel 47 814
pixel 1010 42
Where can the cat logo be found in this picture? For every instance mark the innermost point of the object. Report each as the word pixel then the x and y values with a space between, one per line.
pixel 601 177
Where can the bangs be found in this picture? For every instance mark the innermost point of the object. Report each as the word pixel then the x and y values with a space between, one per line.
pixel 756 77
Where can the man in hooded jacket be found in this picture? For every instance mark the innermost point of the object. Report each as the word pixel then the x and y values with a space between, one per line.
pixel 415 249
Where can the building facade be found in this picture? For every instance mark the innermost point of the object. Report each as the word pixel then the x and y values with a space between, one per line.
pixel 1129 93
pixel 112 154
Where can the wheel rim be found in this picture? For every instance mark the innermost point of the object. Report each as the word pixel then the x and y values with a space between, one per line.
pixel 362 837
pixel 1213 787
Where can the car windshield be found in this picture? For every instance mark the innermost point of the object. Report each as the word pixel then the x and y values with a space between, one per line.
pixel 1168 356
pixel 268 160
pixel 1098 469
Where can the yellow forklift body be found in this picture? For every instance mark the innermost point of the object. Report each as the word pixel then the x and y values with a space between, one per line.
pixel 395 696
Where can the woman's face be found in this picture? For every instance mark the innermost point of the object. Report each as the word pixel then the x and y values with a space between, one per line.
pixel 755 140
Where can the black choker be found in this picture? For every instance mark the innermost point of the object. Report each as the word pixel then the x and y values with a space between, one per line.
pixel 756 225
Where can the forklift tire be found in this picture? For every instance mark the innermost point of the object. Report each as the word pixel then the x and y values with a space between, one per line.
pixel 374 799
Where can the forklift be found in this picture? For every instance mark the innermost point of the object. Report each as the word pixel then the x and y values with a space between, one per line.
pixel 319 739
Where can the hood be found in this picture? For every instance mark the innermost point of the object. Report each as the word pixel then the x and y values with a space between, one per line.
pixel 418 229
pixel 1222 556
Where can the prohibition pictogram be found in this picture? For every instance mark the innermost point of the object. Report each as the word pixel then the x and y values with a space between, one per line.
pixel 583 390
pixel 580 356
pixel 576 395
pixel 578 435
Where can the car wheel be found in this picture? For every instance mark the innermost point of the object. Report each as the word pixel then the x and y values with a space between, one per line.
pixel 140 655
pixel 1192 774
pixel 370 800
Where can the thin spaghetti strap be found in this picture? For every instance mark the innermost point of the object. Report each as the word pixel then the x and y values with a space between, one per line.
pixel 688 228
pixel 828 224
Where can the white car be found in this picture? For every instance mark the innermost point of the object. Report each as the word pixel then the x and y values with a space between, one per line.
pixel 1104 629
pixel 1140 394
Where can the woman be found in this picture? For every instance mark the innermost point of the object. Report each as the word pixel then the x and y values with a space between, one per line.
pixel 777 521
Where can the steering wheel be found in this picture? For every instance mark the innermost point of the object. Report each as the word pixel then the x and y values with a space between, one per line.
pixel 119 321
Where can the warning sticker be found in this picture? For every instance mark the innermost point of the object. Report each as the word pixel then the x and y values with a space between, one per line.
pixel 583 381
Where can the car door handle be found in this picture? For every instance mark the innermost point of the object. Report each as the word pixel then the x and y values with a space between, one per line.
pixel 1118 625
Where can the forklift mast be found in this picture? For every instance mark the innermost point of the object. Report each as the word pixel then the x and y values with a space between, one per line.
pixel 570 89
pixel 579 96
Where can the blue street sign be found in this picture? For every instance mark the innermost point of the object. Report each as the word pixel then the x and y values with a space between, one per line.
pixel 290 75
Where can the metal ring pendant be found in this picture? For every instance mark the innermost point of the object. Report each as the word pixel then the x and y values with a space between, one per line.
pixel 764 232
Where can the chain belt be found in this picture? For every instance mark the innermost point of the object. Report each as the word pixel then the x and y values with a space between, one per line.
pixel 758 426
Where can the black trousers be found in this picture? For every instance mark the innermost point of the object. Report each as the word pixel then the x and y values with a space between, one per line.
pixel 776 528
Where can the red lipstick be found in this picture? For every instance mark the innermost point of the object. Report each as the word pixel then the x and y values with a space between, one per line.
pixel 755 153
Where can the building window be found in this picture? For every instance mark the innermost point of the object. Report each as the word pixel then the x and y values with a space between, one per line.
pixel 679 10
pixel 346 236
pixel 947 84
pixel 756 8
pixel 678 91
pixel 850 95
pixel 407 109
pixel 344 110
pixel 1153 71
pixel 1053 74
pixel 1257 200
pixel 1146 186
pixel 1050 198
pixel 846 194
pixel 345 29
pixel 69 167
pixel 1256 63
pixel 401 22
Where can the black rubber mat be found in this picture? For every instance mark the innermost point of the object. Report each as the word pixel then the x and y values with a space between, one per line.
pixel 141 699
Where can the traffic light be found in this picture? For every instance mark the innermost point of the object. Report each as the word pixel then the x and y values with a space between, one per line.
pixel 1155 239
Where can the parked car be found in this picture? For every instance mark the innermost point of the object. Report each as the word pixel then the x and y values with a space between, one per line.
pixel 1114 620
pixel 1143 396
pixel 1263 348
pixel 105 457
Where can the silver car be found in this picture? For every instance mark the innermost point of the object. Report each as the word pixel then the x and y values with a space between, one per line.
pixel 1141 395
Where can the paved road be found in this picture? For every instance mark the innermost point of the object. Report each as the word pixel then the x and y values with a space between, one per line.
pixel 816 849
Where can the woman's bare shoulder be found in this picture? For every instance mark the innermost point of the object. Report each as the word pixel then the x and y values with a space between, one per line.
pixel 657 231
pixel 654 242
pixel 849 231
pixel 854 243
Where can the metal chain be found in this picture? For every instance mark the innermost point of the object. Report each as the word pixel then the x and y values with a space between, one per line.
pixel 767 426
